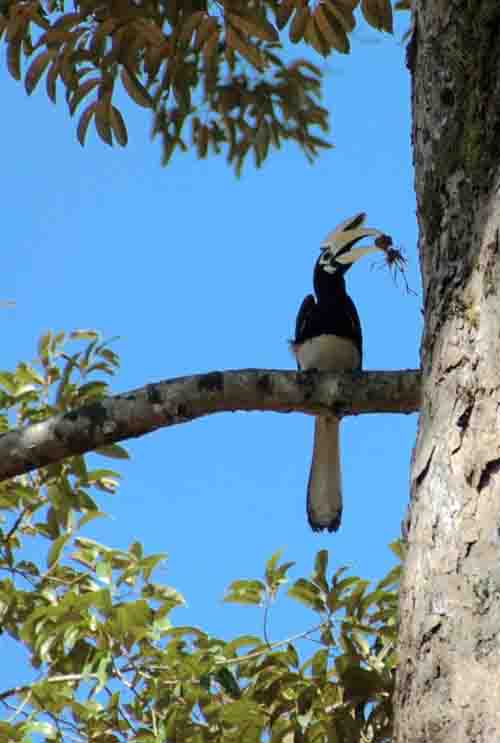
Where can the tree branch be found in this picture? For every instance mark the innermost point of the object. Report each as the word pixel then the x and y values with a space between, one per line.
pixel 180 400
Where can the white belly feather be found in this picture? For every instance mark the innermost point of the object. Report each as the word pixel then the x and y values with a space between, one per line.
pixel 328 353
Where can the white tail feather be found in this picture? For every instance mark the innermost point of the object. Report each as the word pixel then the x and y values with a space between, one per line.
pixel 324 491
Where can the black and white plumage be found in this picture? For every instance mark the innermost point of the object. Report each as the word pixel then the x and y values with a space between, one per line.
pixel 328 338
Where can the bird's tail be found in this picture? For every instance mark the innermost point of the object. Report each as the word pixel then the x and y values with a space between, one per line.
pixel 324 491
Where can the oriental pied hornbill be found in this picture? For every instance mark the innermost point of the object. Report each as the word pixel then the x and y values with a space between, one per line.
pixel 328 337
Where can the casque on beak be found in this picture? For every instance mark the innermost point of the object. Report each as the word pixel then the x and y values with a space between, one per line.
pixel 354 254
pixel 341 244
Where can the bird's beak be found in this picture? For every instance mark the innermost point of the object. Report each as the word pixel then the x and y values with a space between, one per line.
pixel 354 254
pixel 340 240
pixel 345 237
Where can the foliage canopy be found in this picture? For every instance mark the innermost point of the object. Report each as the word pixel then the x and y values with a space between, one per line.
pixel 219 69
pixel 94 623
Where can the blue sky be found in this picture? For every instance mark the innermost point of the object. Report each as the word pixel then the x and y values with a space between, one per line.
pixel 197 271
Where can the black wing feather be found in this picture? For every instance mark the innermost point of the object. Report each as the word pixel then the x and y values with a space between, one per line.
pixel 352 326
pixel 304 317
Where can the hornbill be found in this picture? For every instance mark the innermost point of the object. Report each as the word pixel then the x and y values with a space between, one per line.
pixel 328 337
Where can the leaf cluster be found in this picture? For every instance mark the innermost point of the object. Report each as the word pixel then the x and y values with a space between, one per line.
pixel 343 691
pixel 95 624
pixel 216 69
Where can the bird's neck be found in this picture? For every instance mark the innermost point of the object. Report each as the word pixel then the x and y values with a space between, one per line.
pixel 329 288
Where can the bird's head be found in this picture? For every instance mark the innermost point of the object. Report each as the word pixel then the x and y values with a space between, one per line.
pixel 337 249
pixel 338 253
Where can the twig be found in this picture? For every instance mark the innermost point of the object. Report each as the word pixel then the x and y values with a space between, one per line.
pixel 272 646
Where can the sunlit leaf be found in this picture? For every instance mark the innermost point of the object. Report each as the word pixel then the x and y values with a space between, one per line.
pixel 113 451
pixel 320 568
pixel 84 335
pixel 56 549
pixel 307 593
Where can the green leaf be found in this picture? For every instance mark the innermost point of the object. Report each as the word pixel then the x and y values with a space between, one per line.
pixel 244 597
pixel 8 380
pixel 228 682
pixel 148 564
pixel 308 594
pixel 374 597
pixel 65 390
pixel 339 595
pixel 132 617
pixel 320 568
pixel 44 346
pixel 91 390
pixel 272 562
pixel 169 596
pixel 245 592
pixel 56 549
pixel 104 572
pixel 161 626
pixel 276 575
pixel 241 642
pixel 355 601
pixel 291 656
pixel 361 683
pixel 83 501
pixel 136 549
pixel 392 578
pixel 27 375
pixel 42 728
pixel 102 472
pixel 78 467
pixel 247 585
pixel 90 516
pixel 84 335
pixel 109 355
pixel 240 713
pixel 182 631
pixel 113 451
pixel 398 548
pixel 319 663
pixel 91 544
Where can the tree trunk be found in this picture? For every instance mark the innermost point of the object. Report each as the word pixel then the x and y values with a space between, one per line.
pixel 448 686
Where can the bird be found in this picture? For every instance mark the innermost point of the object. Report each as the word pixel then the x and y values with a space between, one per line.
pixel 328 337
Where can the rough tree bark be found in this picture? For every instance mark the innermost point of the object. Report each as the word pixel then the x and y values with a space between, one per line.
pixel 449 682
